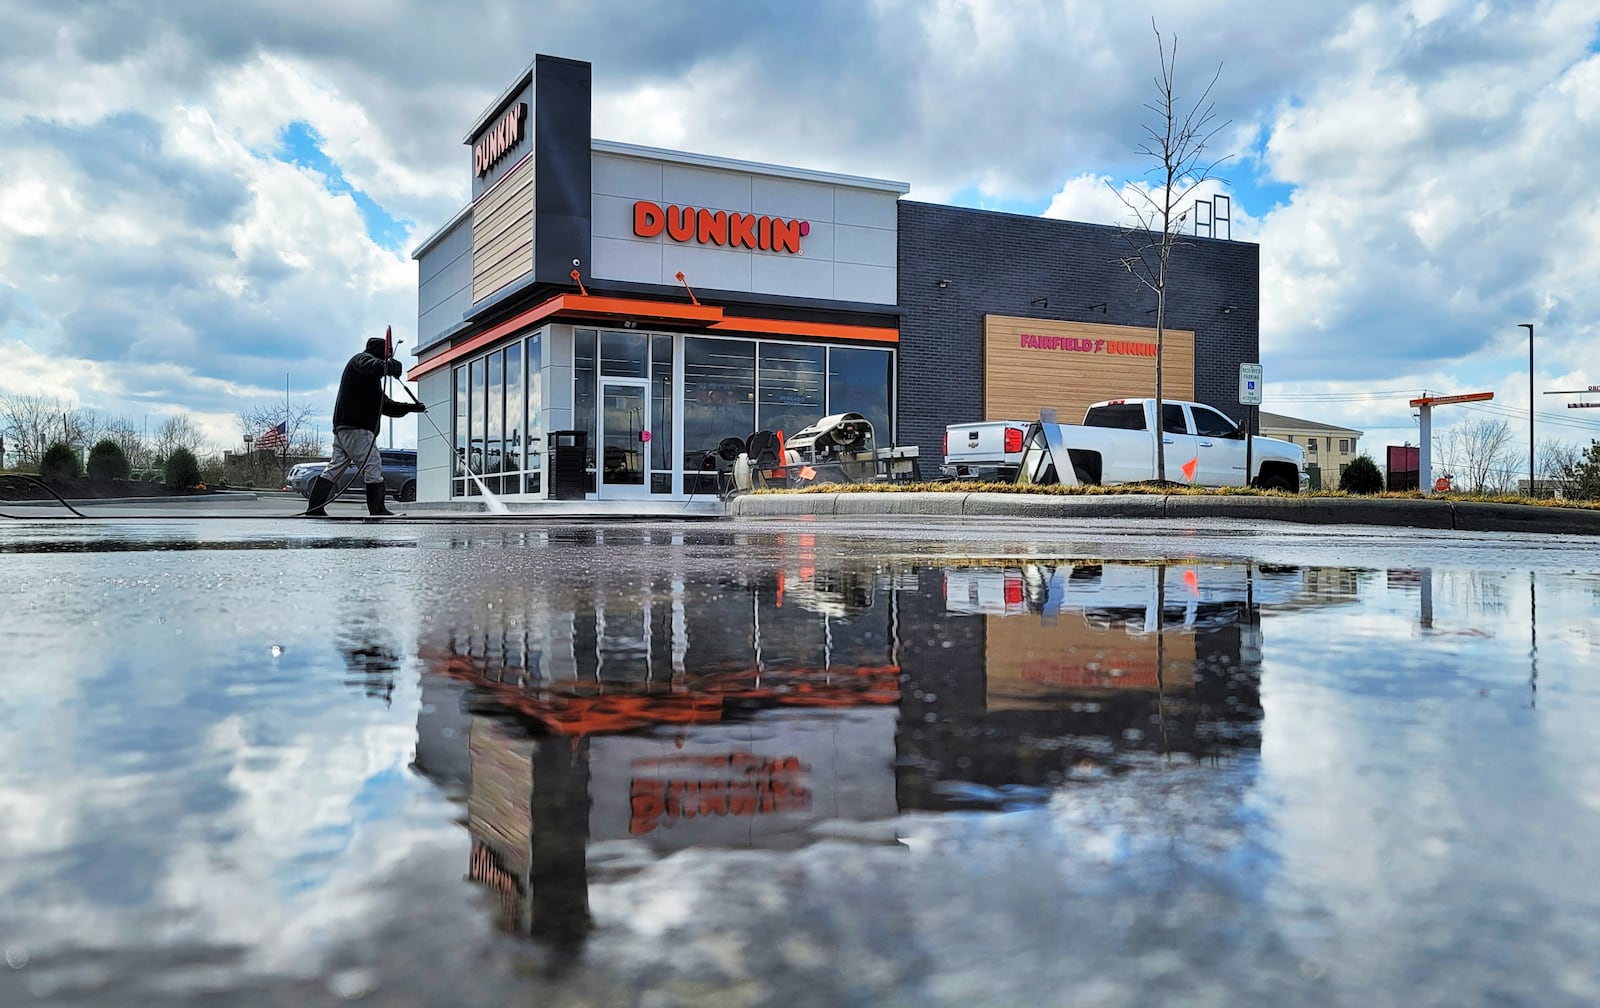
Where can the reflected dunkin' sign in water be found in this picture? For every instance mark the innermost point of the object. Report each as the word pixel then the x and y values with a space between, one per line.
pixel 667 790
pixel 746 707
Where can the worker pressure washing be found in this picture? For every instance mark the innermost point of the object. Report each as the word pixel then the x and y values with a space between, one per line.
pixel 357 412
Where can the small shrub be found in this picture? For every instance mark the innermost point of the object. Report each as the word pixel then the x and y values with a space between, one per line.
pixel 107 462
pixel 182 468
pixel 1361 476
pixel 60 462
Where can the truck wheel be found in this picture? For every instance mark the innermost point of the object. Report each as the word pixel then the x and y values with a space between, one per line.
pixel 408 492
pixel 1279 483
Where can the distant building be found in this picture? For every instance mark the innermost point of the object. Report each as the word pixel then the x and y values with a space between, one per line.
pixel 1329 448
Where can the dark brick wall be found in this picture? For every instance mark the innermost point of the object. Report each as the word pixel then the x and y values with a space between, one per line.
pixel 996 263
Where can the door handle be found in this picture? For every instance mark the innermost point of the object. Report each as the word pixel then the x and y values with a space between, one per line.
pixel 1205 444
pixel 1166 440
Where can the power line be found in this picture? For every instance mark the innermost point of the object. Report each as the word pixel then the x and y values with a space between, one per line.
pixel 1563 421
pixel 1516 413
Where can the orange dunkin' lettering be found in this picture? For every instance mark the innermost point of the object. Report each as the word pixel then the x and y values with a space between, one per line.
pixel 732 229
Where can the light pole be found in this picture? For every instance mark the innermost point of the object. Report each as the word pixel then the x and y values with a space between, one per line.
pixel 1529 326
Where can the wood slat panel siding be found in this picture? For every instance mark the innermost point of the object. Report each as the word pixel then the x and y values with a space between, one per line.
pixel 509 250
pixel 511 230
pixel 1018 380
pixel 491 272
pixel 502 233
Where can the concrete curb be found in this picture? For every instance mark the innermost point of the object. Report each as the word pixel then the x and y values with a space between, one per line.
pixel 1476 517
pixel 933 503
pixel 1446 515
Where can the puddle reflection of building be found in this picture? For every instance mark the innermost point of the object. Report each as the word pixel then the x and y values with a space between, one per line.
pixel 744 709
pixel 663 713
pixel 1083 665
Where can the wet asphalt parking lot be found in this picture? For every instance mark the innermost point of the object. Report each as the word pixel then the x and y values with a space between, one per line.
pixel 791 761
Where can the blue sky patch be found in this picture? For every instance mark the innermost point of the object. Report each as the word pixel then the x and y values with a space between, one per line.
pixel 300 144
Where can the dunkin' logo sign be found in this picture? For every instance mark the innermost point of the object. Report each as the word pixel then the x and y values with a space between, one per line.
pixel 505 134
pixel 719 227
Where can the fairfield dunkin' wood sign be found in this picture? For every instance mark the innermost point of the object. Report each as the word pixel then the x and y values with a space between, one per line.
pixel 1033 363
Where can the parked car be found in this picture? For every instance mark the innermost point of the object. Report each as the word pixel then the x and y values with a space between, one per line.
pixel 399 474
pixel 302 473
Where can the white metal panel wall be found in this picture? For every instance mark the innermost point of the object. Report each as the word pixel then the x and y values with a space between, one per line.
pixel 434 455
pixel 849 253
pixel 444 283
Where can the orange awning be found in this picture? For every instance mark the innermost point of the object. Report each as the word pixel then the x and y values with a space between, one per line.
pixel 603 310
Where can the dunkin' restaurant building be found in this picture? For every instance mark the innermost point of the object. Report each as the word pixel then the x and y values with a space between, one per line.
pixel 602 316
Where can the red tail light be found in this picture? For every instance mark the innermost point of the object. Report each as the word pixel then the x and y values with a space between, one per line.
pixel 1013 439
pixel 945 445
pixel 1013 591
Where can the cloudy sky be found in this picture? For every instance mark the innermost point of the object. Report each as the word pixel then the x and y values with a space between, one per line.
pixel 202 203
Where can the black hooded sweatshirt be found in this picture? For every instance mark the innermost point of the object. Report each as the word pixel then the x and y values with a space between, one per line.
pixel 361 402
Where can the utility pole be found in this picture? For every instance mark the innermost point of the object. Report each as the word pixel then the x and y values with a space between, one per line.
pixel 1529 326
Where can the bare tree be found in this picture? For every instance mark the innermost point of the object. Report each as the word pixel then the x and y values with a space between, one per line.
pixel 32 423
pixel 1176 141
pixel 175 432
pixel 303 440
pixel 1559 462
pixel 1482 452
pixel 129 438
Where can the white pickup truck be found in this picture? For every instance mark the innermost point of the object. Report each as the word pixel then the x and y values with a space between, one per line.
pixel 1197 593
pixel 1116 444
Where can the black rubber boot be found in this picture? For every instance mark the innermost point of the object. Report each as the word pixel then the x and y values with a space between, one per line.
pixel 321 490
pixel 375 501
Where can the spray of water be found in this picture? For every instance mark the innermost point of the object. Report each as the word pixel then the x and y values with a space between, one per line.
pixel 490 501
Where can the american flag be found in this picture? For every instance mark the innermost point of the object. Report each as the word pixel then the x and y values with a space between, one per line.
pixel 275 437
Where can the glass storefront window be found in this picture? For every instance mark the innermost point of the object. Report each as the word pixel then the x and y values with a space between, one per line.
pixel 498 426
pixel 791 387
pixel 535 415
pixel 494 416
pixel 860 381
pixel 719 394
pixel 584 405
pixel 477 439
pixel 730 387
pixel 624 354
pixel 514 412
pixel 661 414
pixel 463 398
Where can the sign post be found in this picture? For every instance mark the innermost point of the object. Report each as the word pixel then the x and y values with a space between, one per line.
pixel 1424 407
pixel 1249 395
pixel 1578 405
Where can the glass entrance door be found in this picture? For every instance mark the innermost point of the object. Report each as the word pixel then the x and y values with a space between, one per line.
pixel 623 463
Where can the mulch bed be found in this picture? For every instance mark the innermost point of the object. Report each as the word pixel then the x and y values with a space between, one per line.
pixel 16 487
